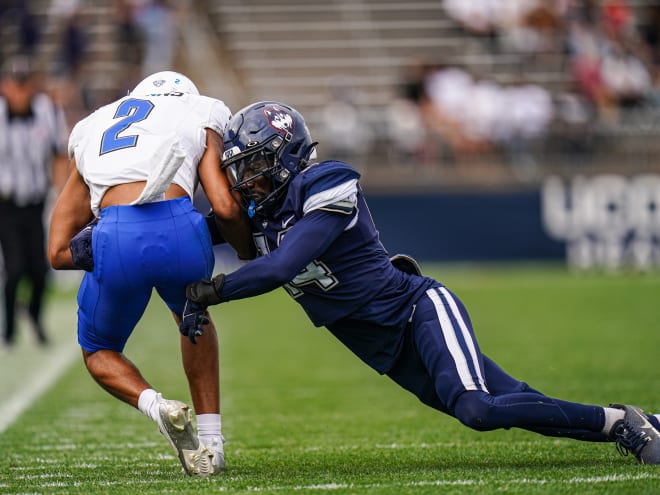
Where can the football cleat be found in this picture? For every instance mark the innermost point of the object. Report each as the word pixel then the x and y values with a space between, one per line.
pixel 637 435
pixel 215 447
pixel 174 422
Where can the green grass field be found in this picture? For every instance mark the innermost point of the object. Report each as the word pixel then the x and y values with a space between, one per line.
pixel 302 415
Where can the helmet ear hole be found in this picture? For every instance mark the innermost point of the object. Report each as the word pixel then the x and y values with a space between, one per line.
pixel 295 149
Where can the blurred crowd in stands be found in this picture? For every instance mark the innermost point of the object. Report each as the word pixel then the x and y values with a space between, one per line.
pixel 606 54
pixel 142 40
pixel 609 52
pixel 573 69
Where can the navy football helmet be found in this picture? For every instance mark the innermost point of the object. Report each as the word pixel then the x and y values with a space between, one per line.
pixel 270 140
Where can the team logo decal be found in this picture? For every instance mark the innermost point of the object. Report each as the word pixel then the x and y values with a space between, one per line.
pixel 159 82
pixel 279 119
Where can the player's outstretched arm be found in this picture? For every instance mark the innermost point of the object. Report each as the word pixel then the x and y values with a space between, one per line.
pixel 71 213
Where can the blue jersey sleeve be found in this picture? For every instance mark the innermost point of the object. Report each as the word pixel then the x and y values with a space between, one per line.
pixel 306 240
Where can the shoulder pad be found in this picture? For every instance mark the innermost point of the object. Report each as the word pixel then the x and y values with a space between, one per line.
pixel 330 186
pixel 326 175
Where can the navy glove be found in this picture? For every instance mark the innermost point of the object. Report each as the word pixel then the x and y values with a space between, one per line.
pixel 194 316
pixel 206 292
pixel 81 247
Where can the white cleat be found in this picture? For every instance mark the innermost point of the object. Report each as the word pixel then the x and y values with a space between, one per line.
pixel 215 447
pixel 174 422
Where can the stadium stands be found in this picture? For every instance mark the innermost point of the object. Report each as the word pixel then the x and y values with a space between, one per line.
pixel 353 56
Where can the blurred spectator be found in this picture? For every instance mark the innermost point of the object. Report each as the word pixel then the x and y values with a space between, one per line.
pixel 157 22
pixel 475 115
pixel 625 77
pixel 345 131
pixel 406 133
pixel 129 42
pixel 15 15
pixel 527 111
pixel 476 16
pixel 533 30
pixel 572 126
pixel 73 45
pixel 617 17
pixel 33 137
pixel 450 89
pixel 650 31
pixel 607 58
pixel 67 83
pixel 406 130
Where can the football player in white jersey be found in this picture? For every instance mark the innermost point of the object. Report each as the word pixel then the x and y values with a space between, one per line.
pixel 126 217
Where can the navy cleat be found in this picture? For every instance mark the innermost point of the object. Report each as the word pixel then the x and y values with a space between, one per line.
pixel 637 435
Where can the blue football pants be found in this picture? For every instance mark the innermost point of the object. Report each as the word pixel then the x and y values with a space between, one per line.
pixel 164 246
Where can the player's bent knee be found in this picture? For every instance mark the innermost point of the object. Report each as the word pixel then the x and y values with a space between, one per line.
pixel 475 411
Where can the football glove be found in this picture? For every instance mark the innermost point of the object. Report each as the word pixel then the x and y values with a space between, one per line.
pixel 81 247
pixel 194 316
pixel 206 292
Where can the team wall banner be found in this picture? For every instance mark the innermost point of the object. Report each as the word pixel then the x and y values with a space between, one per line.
pixel 604 221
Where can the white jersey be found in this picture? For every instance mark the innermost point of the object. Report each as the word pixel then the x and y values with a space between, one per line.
pixel 159 139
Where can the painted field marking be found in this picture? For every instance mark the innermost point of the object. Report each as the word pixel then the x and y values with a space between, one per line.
pixel 31 370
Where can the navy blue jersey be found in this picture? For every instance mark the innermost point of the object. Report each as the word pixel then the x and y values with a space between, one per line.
pixel 322 245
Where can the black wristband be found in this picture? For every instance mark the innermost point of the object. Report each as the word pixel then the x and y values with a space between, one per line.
pixel 216 235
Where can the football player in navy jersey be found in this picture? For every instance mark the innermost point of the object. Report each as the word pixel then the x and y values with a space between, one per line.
pixel 316 238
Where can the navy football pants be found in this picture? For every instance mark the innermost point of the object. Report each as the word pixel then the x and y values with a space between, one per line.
pixel 441 364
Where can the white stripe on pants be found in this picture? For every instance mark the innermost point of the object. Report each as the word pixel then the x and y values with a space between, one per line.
pixel 451 339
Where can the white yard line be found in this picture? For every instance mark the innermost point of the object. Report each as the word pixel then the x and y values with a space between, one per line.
pixel 54 364
pixel 617 478
pixel 29 370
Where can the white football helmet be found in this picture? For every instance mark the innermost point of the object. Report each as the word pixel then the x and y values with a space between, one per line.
pixel 166 81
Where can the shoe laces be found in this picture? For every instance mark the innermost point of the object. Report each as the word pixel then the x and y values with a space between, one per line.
pixel 630 440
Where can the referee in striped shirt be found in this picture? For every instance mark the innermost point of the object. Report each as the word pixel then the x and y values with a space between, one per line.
pixel 33 136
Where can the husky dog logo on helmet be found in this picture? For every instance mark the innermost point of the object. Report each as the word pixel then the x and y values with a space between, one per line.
pixel 279 119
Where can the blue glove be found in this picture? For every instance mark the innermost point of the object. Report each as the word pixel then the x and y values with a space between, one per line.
pixel 194 316
pixel 81 247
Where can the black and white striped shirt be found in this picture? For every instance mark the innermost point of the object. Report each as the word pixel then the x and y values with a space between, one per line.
pixel 28 145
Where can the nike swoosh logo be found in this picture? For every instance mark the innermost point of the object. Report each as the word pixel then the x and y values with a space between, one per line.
pixel 285 223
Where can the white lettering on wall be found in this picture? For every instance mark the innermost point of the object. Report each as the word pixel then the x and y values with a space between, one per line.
pixel 606 221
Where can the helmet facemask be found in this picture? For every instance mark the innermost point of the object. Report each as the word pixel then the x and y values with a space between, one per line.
pixel 247 170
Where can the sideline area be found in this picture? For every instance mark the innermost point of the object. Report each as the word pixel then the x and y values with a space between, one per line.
pixel 28 370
